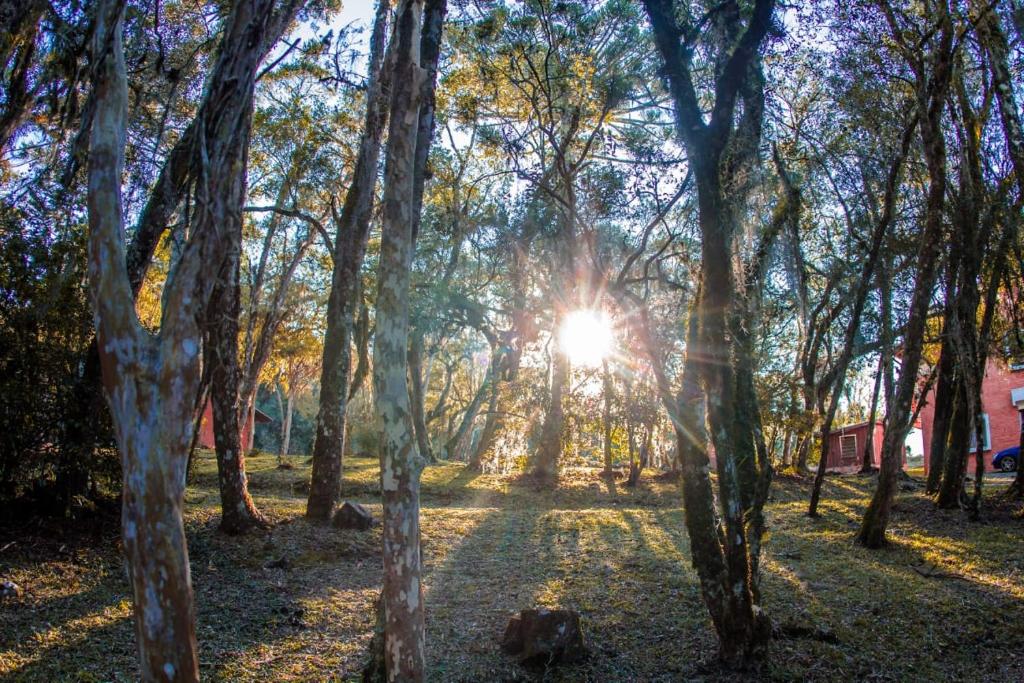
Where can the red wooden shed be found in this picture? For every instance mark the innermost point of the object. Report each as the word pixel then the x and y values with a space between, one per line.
pixel 206 428
pixel 846 446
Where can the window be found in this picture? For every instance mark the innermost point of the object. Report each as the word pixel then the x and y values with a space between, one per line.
pixel 848 447
pixel 986 444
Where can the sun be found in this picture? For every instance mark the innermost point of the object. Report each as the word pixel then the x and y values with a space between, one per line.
pixel 585 336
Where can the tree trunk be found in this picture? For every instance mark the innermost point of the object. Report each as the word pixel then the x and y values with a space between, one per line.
pixel 238 512
pixel 403 641
pixel 453 445
pixel 867 460
pixel 932 89
pixel 400 465
pixel 150 383
pixel 353 227
pixel 491 424
pixel 416 396
pixel 549 450
pixel 954 464
pixel 607 417
pixel 286 428
pixel 942 403
pixel 718 367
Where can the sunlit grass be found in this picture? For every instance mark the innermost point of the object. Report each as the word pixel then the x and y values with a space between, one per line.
pixel 493 545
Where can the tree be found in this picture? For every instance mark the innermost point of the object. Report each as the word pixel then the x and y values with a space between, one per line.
pixel 151 380
pixel 416 40
pixel 352 228
pixel 718 372
pixel 931 78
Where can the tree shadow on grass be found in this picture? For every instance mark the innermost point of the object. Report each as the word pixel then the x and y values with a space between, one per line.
pixel 252 620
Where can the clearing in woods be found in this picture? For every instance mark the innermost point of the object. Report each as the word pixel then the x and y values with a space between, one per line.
pixel 294 604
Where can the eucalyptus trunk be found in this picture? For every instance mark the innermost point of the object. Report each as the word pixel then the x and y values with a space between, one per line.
pixel 352 231
pixel 238 512
pixel 549 450
pixel 151 381
pixel 402 597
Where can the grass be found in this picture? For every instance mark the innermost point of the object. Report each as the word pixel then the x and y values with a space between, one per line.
pixel 944 602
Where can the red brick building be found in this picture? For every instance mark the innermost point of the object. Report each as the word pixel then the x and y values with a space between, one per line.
pixel 1002 400
pixel 206 428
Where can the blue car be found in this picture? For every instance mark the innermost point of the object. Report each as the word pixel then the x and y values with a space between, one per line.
pixel 1007 459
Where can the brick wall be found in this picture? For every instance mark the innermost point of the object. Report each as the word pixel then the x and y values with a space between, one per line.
pixel 1003 417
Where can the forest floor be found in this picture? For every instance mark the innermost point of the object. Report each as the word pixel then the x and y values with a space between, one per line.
pixel 944 602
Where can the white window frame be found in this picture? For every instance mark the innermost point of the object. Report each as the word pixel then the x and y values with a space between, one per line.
pixel 842 437
pixel 986 445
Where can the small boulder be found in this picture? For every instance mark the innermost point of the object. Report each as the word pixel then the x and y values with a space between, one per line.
pixel 353 516
pixel 10 590
pixel 543 636
pixel 281 563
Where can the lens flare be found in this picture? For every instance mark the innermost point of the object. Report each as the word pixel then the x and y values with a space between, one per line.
pixel 585 336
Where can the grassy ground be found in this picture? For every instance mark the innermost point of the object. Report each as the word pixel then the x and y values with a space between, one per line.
pixel 945 602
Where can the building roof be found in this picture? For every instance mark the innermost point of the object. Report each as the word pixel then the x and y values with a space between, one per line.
pixel 846 428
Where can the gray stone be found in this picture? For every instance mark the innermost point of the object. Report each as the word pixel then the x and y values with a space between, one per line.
pixel 353 516
pixel 545 637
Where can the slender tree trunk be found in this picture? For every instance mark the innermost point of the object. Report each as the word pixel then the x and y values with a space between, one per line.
pixel 416 396
pixel 954 464
pixel 549 450
pixel 932 91
pixel 353 228
pixel 238 512
pixel 286 428
pixel 491 425
pixel 400 465
pixel 942 410
pixel 403 642
pixel 454 444
pixel 607 418
pixel 867 460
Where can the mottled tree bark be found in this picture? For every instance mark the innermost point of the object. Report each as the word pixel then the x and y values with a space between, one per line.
pixel 403 642
pixel 149 382
pixel 352 230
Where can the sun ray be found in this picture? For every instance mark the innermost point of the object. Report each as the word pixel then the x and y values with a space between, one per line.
pixel 585 336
